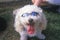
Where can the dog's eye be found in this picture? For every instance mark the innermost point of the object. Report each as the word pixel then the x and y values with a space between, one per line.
pixel 24 15
pixel 34 13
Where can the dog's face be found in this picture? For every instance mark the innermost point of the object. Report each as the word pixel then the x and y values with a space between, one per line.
pixel 29 17
pixel 32 18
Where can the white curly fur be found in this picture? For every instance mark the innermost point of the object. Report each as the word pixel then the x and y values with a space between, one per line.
pixel 20 22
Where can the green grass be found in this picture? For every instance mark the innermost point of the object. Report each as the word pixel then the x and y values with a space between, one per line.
pixel 52 32
pixel 53 27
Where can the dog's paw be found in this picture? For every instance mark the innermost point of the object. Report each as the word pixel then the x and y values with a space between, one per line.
pixel 41 36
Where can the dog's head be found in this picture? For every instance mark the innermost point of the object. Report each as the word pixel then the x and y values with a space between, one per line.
pixel 29 16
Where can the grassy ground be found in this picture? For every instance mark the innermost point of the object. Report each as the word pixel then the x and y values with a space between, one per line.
pixel 53 27
pixel 52 32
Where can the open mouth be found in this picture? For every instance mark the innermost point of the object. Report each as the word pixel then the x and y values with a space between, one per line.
pixel 31 29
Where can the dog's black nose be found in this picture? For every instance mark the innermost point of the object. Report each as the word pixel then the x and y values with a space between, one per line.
pixel 30 20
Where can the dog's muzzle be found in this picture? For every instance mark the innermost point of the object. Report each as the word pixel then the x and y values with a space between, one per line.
pixel 30 20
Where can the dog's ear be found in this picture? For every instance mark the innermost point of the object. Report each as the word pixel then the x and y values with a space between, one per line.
pixel 18 26
pixel 41 11
pixel 15 11
pixel 43 22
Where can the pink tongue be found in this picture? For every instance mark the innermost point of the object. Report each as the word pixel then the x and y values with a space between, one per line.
pixel 30 29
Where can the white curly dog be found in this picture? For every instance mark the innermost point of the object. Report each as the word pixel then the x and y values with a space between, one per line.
pixel 30 21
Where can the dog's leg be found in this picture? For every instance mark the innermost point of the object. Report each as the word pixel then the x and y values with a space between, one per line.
pixel 23 35
pixel 40 36
pixel 23 38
